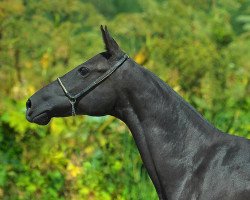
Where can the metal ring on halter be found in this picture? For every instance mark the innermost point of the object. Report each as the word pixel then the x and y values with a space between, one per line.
pixel 73 98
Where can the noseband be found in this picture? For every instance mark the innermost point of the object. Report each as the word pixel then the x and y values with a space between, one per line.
pixel 73 98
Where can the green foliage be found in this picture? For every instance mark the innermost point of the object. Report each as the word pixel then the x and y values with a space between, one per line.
pixel 200 49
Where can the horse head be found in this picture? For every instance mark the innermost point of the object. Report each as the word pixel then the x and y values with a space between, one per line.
pixel 88 89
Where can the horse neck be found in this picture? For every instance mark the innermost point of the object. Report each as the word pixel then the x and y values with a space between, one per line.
pixel 155 107
pixel 166 129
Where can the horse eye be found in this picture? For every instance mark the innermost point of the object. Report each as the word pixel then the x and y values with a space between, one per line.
pixel 83 71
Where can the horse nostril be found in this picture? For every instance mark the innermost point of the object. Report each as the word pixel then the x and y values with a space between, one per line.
pixel 28 104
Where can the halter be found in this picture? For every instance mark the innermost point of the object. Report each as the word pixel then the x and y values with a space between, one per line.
pixel 73 98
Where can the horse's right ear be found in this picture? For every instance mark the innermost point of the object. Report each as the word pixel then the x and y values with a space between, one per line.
pixel 110 44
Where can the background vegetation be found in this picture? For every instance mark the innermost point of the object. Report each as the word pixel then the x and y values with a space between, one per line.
pixel 200 48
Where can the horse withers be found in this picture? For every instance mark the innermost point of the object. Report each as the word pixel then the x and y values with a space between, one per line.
pixel 186 157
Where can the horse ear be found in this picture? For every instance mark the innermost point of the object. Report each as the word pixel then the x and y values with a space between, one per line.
pixel 110 44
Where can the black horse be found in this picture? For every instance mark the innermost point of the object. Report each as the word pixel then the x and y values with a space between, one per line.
pixel 185 156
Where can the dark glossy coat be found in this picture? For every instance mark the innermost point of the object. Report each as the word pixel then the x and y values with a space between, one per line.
pixel 185 156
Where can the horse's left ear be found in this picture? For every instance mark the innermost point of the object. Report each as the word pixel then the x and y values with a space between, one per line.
pixel 110 44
